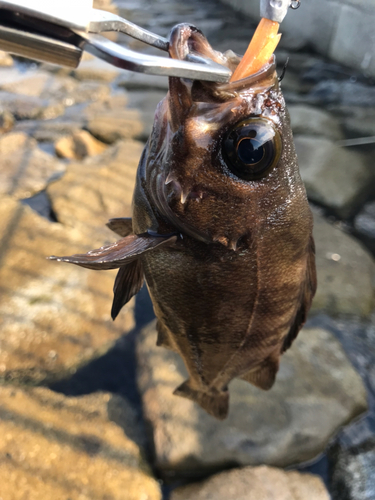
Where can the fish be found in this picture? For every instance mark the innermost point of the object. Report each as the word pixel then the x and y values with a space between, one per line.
pixel 221 229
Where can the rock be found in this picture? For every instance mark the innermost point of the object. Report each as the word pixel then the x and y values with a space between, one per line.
pixel 352 471
pixel 113 102
pixel 316 392
pixel 39 83
pixel 97 189
pixel 78 146
pixel 310 121
pixel 365 220
pixel 342 31
pixel 96 69
pixel 357 121
pixel 29 107
pixel 110 126
pixel 57 447
pixel 6 121
pixel 6 60
pixel 258 483
pixel 346 272
pixel 138 81
pixel 334 177
pixel 58 88
pixel 25 168
pixel 105 5
pixel 347 93
pixel 53 317
pixel 51 130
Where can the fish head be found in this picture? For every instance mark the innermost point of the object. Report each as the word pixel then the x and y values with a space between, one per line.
pixel 221 158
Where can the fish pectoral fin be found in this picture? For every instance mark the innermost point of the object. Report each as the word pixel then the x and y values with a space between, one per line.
pixel 128 282
pixel 119 253
pixel 122 226
pixel 216 403
pixel 164 338
pixel 307 294
pixel 264 376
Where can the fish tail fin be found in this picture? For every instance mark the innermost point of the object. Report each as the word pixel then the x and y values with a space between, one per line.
pixel 215 402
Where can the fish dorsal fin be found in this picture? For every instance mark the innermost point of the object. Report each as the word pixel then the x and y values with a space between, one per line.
pixel 128 282
pixel 120 253
pixel 308 292
pixel 121 226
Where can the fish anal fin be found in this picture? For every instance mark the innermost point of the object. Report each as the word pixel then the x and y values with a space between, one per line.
pixel 307 295
pixel 122 226
pixel 164 337
pixel 264 376
pixel 214 402
pixel 128 282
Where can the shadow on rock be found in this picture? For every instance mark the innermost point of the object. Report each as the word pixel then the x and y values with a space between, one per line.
pixel 114 372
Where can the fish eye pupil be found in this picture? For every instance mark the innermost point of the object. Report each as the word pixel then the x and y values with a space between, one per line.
pixel 249 151
pixel 252 148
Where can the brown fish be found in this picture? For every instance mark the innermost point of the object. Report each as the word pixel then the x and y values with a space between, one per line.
pixel 221 229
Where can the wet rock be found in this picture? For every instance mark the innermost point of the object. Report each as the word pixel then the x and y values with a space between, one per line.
pixel 365 220
pixel 316 392
pixel 110 126
pixel 260 483
pixel 6 121
pixel 53 317
pixel 310 121
pixel 346 272
pixel 352 471
pixel 334 177
pixel 80 448
pixel 25 168
pixel 25 107
pixel 78 146
pixel 93 191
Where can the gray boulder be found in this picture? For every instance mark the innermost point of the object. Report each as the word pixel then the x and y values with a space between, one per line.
pixel 316 392
pixel 255 483
pixel 334 177
pixel 346 272
pixel 307 120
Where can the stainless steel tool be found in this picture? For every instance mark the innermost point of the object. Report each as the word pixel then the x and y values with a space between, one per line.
pixel 32 29
pixel 59 32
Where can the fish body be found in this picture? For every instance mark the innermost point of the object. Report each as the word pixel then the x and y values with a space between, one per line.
pixel 221 229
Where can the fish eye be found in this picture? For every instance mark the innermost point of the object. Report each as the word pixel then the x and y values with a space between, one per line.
pixel 252 148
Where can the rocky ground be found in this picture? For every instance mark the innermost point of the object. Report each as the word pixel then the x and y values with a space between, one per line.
pixel 87 410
